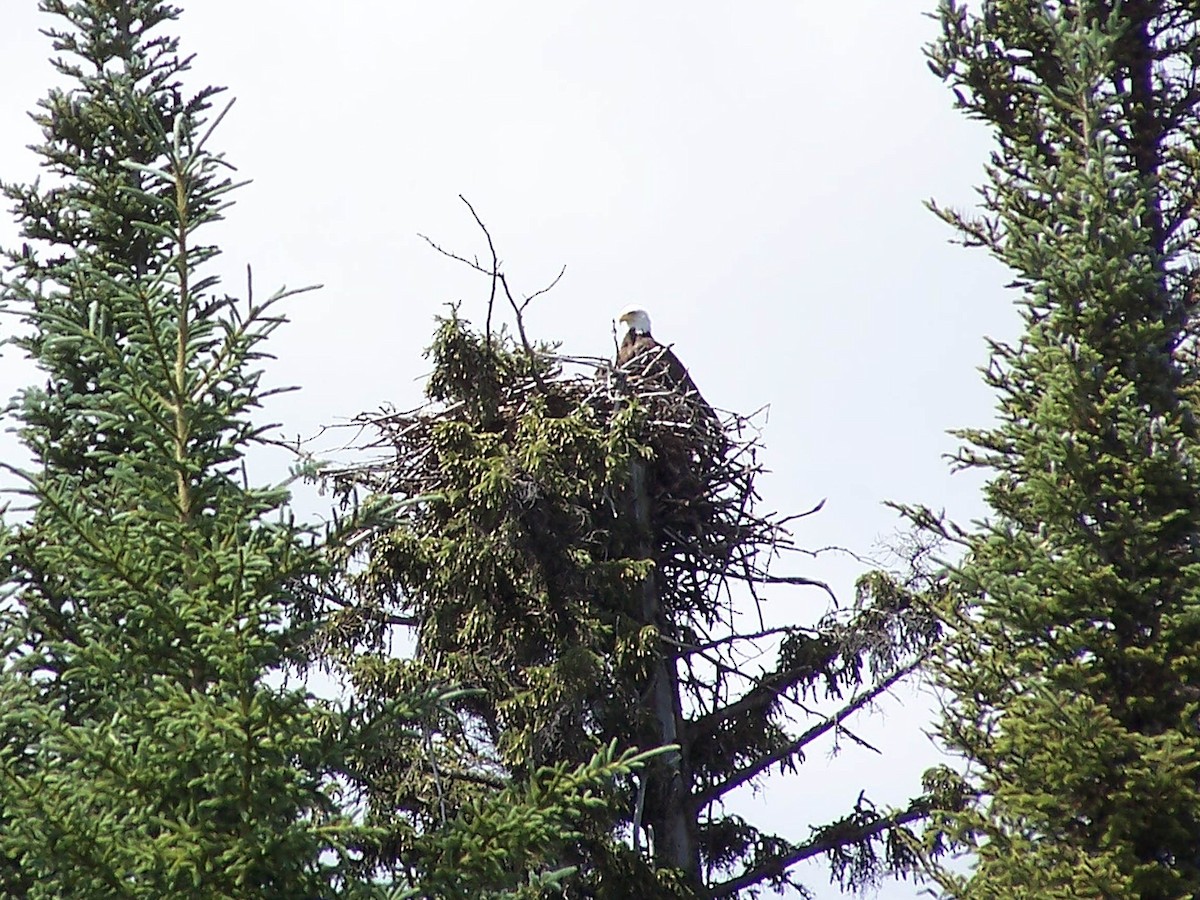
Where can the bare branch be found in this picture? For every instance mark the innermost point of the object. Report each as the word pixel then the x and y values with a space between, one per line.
pixel 472 263
pixel 495 270
pixel 545 290
pixel 732 638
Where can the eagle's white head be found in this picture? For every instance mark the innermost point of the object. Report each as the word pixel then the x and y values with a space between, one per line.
pixel 635 319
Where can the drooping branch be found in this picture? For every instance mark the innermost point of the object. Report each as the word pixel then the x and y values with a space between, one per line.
pixel 790 750
pixel 830 840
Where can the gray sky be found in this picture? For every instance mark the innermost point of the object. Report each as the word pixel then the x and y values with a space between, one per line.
pixel 752 174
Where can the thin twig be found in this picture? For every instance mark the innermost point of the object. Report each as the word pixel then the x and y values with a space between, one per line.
pixel 495 271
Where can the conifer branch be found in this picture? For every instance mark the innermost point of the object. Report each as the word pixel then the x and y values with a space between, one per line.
pixel 835 838
pixel 760 765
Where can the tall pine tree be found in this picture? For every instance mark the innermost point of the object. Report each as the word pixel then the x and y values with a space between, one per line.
pixel 586 549
pixel 1073 671
pixel 142 751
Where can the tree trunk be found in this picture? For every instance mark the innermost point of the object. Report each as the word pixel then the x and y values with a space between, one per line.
pixel 669 815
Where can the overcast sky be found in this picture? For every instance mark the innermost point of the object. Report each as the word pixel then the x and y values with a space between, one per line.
pixel 752 174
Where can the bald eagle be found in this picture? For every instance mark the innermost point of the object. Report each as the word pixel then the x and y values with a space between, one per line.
pixel 639 353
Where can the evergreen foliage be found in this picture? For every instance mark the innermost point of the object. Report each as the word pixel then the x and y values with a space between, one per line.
pixel 575 547
pixel 1074 662
pixel 142 752
pixel 125 93
pixel 150 745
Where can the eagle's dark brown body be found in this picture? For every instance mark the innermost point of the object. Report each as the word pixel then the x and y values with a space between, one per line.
pixel 640 354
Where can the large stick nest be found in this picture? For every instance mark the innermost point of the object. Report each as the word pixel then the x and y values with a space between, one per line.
pixel 706 532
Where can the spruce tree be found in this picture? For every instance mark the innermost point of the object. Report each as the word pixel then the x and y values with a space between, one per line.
pixel 150 743
pixel 125 90
pixel 576 547
pixel 143 752
pixel 1072 670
